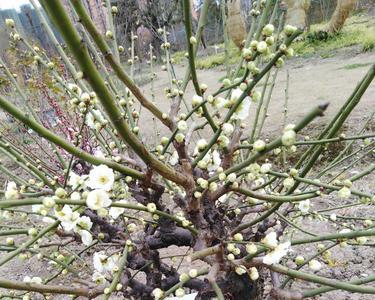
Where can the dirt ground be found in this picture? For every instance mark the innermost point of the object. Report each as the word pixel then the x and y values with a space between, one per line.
pixel 312 81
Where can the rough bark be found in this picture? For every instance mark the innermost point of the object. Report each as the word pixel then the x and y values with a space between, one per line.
pixel 236 23
pixel 297 12
pixel 342 11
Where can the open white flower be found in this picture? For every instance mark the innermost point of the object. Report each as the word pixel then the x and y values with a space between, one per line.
pixel 37 208
pixel 254 275
pixel 104 263
pixel 288 182
pixel 36 280
pixel 344 193
pixel 67 217
pixel 270 240
pixel 86 237
pixel 74 88
pixel 304 206
pixel 315 265
pixel 98 278
pixel 277 254
pixel 75 180
pixel 173 160
pixel 182 125
pixel 115 212
pixel 99 153
pixel 157 293
pixel 101 177
pixel 265 168
pixel 9 23
pixel 214 162
pixel 288 138
pixel 99 261
pixel 196 100
pixel 84 222
pixel 242 112
pixel 227 129
pixel 11 191
pixel 219 102
pixel 98 199
pixel 93 117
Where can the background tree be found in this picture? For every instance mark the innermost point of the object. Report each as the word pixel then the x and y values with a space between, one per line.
pixel 341 13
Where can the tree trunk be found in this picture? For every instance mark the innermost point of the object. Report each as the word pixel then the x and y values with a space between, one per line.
pixel 297 12
pixel 236 23
pixel 342 11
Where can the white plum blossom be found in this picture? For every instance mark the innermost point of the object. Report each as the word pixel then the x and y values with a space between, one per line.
pixel 270 240
pixel 220 102
pixel 9 23
pixel 173 160
pixel 182 125
pixel 115 212
pixel 101 177
pixel 315 265
pixel 35 280
pixel 98 153
pixel 256 96
pixel 251 248
pixel 72 87
pixel 259 145
pixel 265 168
pixel 98 199
pixel 214 162
pixel 268 30
pixel 288 138
pixel 304 206
pixel 201 144
pixel 240 270
pixel 196 100
pixel 93 117
pixel 67 217
pixel 84 222
pixel 98 278
pixel 11 191
pixel 277 254
pixel 227 129
pixel 86 237
pixel 242 112
pixel 75 196
pixel 262 47
pixel 254 275
pixel 288 182
pixel 254 168
pixel 344 192
pixel 75 180
pixel 333 217
pixel 157 293
pixel 104 263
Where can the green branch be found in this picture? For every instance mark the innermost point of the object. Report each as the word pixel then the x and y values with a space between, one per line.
pixel 50 136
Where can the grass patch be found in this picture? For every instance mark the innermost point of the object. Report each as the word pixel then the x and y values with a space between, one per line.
pixel 218 59
pixel 213 60
pixel 358 30
pixel 179 57
pixel 355 66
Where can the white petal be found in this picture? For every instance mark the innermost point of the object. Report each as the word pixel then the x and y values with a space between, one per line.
pixel 86 237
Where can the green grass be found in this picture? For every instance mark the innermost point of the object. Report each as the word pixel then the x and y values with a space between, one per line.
pixel 358 30
pixel 355 66
pixel 211 61
pixel 219 58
